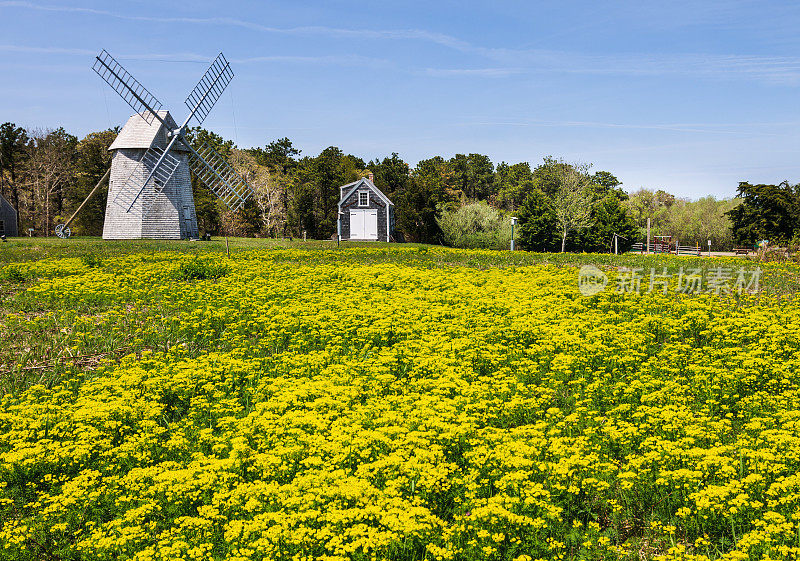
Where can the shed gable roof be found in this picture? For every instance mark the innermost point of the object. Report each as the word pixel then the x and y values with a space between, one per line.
pixel 363 182
pixel 137 133
pixel 6 203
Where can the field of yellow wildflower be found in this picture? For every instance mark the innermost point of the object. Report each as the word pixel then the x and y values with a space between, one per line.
pixel 390 403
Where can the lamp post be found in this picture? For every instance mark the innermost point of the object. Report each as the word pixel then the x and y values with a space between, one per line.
pixel 513 223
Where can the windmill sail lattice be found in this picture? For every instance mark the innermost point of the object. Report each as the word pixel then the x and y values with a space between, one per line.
pixel 135 94
pixel 209 89
pixel 220 178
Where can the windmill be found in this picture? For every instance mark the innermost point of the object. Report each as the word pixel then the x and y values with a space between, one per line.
pixel 150 192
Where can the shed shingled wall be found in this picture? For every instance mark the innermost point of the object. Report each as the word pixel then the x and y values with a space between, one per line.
pixel 8 215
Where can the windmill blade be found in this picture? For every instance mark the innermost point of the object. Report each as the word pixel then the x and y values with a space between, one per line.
pixel 136 95
pixel 145 182
pixel 208 90
pixel 218 175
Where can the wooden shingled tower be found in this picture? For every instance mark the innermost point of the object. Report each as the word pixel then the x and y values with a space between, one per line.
pixel 171 212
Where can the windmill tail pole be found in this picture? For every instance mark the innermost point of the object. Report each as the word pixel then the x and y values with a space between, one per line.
pixel 66 224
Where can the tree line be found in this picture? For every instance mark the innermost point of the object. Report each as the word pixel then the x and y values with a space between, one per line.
pixel 45 173
pixel 464 201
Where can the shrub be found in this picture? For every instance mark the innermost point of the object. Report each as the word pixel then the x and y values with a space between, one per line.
pixel 12 274
pixel 475 226
pixel 201 269
pixel 91 260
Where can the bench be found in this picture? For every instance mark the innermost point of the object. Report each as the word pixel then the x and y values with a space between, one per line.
pixel 742 250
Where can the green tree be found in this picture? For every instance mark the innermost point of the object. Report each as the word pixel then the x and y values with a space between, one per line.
pixel 548 175
pixel 416 207
pixel 572 202
pixel 766 212
pixel 392 175
pixel 472 175
pixel 316 190
pixel 605 183
pixel 694 222
pixel 609 217
pixel 278 154
pixel 93 161
pixel 333 169
pixel 537 223
pixel 302 189
pixel 49 168
pixel 655 205
pixel 513 184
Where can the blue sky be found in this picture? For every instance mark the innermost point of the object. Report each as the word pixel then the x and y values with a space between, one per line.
pixel 688 96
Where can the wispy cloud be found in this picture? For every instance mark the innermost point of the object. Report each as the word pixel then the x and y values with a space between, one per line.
pixel 476 72
pixel 45 50
pixel 733 67
pixel 506 62
pixel 710 128
pixel 412 34
pixel 339 60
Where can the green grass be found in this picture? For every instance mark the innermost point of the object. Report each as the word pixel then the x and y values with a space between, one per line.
pixel 18 250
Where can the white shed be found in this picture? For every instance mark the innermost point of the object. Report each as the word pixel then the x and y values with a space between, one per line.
pixel 365 213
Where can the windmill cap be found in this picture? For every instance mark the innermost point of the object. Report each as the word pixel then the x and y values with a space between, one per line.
pixel 137 133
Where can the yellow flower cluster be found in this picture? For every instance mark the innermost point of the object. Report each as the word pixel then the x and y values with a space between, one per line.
pixel 333 406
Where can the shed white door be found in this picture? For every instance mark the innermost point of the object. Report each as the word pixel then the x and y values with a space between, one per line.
pixel 364 224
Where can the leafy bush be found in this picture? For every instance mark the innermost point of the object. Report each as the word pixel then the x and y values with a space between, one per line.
pixel 475 226
pixel 91 260
pixel 12 274
pixel 201 269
